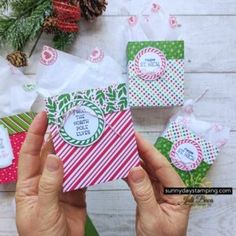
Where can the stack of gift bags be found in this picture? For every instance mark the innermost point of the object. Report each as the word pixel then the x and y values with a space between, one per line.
pixel 89 102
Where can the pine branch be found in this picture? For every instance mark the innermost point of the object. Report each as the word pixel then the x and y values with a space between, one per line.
pixel 63 41
pixel 4 5
pixel 18 30
pixel 22 8
pixel 5 23
pixel 25 23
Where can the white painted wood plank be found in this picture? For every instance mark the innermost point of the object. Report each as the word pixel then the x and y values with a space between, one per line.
pixel 209 42
pixel 201 220
pixel 113 213
pixel 214 220
pixel 180 7
pixel 218 105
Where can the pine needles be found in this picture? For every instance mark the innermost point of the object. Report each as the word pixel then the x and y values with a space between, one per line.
pixel 63 40
pixel 25 23
pixel 4 4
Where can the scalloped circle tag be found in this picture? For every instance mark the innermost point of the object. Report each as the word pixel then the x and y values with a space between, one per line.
pixel 150 63
pixel 186 155
pixel 84 125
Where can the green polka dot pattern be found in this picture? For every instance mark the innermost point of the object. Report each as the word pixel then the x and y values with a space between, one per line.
pixel 171 49
pixel 192 178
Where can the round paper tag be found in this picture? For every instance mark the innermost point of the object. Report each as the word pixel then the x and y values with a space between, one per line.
pixel 84 125
pixel 150 63
pixel 48 56
pixel 186 155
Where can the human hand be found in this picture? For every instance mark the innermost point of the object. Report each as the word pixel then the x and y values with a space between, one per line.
pixel 157 214
pixel 41 208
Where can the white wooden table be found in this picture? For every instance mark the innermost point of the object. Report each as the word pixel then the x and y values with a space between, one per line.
pixel 209 33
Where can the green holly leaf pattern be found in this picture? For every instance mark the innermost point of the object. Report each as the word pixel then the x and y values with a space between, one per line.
pixel 110 107
pixel 111 94
pixel 51 105
pixel 100 96
pixel 113 99
pixel 52 108
pixel 123 103
pixel 63 99
pixel 122 90
pixel 88 95
pixel 77 95
pixel 51 118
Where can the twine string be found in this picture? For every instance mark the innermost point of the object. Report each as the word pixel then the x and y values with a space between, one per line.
pixel 201 96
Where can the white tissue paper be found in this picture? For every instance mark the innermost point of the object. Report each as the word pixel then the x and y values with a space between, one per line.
pixel 154 24
pixel 17 92
pixel 214 133
pixel 68 73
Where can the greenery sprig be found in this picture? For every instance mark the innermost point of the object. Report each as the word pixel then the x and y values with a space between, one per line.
pixel 25 21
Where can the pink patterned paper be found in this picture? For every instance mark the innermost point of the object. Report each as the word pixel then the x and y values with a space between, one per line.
pixel 9 174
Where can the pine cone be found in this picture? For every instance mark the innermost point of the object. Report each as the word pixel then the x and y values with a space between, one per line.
pixel 17 59
pixel 49 24
pixel 92 8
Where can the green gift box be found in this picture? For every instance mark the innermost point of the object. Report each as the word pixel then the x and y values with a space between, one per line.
pixel 156 73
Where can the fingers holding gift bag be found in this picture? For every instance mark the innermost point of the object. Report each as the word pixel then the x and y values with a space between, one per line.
pixel 89 118
pixel 16 98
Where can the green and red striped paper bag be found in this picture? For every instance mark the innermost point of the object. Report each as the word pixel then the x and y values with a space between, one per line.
pixel 156 73
pixel 17 127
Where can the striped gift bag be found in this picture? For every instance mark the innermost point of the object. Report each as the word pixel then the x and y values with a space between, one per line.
pixel 93 134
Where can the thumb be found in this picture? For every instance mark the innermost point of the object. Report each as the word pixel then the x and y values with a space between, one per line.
pixel 143 192
pixel 50 185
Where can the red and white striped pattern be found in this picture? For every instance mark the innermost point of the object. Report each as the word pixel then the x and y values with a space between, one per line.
pixel 110 158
